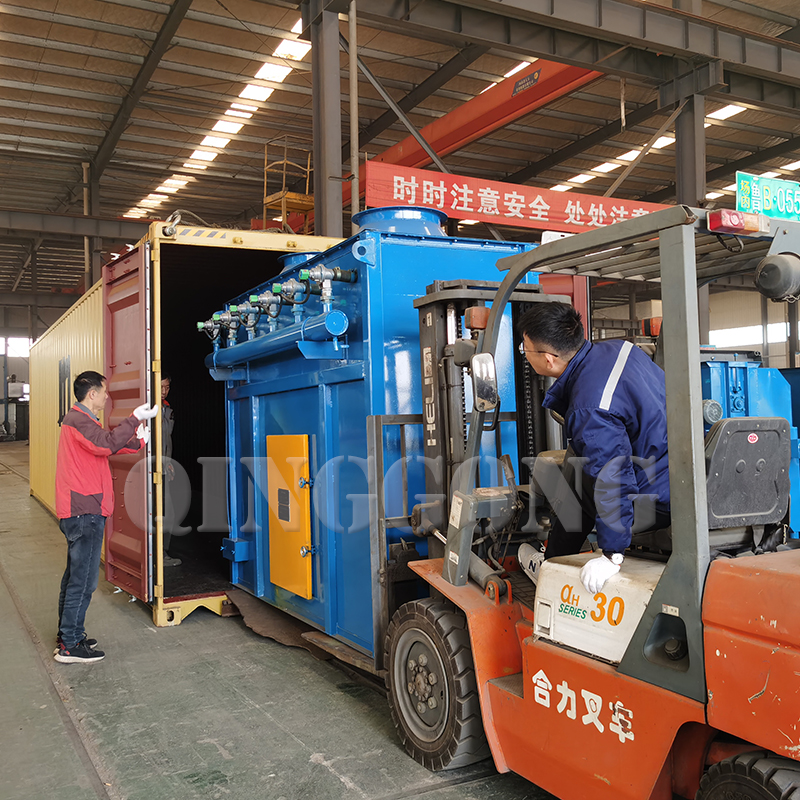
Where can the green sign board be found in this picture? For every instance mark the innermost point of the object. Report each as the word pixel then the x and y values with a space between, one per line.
pixel 775 198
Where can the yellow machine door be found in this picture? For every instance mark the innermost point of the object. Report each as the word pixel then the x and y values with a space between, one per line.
pixel 289 514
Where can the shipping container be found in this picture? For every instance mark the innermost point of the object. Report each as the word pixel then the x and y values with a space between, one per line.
pixel 71 345
pixel 137 323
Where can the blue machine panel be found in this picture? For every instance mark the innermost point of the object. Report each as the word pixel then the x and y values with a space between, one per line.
pixel 746 389
pixel 300 377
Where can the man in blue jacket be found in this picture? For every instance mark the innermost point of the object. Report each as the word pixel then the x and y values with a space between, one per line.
pixel 613 401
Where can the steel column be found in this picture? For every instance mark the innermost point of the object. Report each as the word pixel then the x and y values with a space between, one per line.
pixel 327 121
pixel 33 309
pixel 354 137
pixel 792 344
pixel 764 331
pixel 690 174
pixel 677 600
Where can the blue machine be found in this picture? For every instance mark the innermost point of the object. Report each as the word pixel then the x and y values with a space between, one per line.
pixel 324 393
pixel 743 388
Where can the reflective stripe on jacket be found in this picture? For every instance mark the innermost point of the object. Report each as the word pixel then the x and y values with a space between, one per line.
pixel 613 400
pixel 83 476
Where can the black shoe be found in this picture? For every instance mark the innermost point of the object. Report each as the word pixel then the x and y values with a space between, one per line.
pixel 60 643
pixel 80 654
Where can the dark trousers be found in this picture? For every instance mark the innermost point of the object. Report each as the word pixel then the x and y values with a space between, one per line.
pixel 575 512
pixel 84 536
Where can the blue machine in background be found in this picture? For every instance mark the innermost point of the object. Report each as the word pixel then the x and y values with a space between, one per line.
pixel 324 407
pixel 743 388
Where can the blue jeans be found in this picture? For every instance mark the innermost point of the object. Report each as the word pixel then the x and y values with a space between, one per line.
pixel 84 542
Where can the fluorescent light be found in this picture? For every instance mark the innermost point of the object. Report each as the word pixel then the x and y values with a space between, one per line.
pixel 160 197
pixel 516 69
pixel 253 92
pixel 490 86
pixel 468 221
pixel 792 167
pixel 731 187
pixel 242 114
pixel 147 202
pixel 769 174
pixel 170 189
pixel 561 188
pixel 292 50
pixel 629 156
pixel 725 112
pixel 583 178
pixel 713 195
pixel 215 141
pixel 176 181
pixel 663 141
pixel 607 167
pixel 706 124
pixel 189 165
pixel 133 216
pixel 243 107
pixel 203 155
pixel 298 26
pixel 273 72
pixel 223 126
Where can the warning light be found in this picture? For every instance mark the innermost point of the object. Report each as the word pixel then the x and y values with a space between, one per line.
pixel 726 220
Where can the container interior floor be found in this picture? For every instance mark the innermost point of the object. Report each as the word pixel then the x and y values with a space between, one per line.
pixel 195 283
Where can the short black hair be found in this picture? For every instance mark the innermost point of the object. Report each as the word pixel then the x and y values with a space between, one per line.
pixel 165 376
pixel 557 326
pixel 85 382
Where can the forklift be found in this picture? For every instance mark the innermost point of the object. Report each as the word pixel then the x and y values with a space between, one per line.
pixel 682 676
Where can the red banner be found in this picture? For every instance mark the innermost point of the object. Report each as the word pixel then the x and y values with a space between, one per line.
pixel 495 202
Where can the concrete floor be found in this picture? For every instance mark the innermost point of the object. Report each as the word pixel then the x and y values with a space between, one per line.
pixel 207 709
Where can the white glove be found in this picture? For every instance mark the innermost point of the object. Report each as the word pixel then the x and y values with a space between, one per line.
pixel 143 433
pixel 145 412
pixel 596 572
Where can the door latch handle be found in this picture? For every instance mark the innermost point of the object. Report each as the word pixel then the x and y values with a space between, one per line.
pixel 303 482
pixel 305 550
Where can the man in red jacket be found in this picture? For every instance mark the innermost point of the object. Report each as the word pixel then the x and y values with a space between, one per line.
pixel 84 498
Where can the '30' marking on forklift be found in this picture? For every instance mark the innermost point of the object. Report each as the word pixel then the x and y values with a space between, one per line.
pixel 612 611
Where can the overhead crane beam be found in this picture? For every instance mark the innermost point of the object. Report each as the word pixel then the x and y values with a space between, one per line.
pixel 421 92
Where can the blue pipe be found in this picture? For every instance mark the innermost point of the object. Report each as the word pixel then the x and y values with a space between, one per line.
pixel 313 329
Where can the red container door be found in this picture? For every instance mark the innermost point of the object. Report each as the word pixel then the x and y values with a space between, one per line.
pixel 129 532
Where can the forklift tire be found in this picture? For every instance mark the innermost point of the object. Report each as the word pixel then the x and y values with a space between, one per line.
pixel 758 776
pixel 430 678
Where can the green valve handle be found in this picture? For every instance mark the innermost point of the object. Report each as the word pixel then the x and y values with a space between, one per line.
pixel 253 298
pixel 277 288
pixel 233 309
pixel 200 325
pixel 216 318
pixel 304 274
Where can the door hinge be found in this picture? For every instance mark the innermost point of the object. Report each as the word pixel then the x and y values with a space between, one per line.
pixel 157 365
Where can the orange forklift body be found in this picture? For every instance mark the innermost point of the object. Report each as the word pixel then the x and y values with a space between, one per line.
pixel 577 727
pixel 752 645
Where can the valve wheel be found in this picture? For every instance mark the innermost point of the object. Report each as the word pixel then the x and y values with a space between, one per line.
pixel 430 679
pixel 758 776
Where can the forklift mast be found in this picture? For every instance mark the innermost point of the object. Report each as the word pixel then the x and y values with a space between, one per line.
pixel 451 317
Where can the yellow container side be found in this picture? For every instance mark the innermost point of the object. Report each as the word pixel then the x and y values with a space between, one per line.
pixel 71 345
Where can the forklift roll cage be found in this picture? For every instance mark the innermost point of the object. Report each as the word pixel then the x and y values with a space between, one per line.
pixel 658 246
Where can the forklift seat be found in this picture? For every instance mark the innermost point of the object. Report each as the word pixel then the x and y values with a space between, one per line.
pixel 747 483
